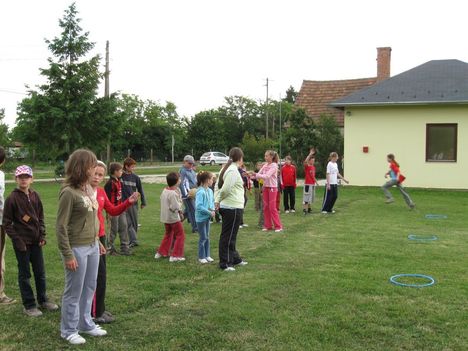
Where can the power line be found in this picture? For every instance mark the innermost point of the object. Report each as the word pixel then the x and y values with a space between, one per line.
pixel 11 92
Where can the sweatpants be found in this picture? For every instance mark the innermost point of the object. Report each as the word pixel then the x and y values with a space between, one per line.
pixel 289 198
pixel 388 195
pixel 270 210
pixel 31 257
pixel 228 255
pixel 132 223
pixel 174 238
pixel 119 226
pixel 99 305
pixel 329 198
pixel 2 262
pixel 79 291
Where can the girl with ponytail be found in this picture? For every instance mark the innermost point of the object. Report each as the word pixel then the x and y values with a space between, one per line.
pixel 396 178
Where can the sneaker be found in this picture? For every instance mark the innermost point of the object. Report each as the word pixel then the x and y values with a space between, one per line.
pixel 287 211
pixel 324 212
pixel 264 230
pixel 104 319
pixel 133 244
pixel 113 252
pixel 108 313
pixel 176 259
pixel 75 339
pixel 245 225
pixel 305 212
pixel 333 211
pixel 412 206
pixel 242 263
pixel 203 260
pixel 229 269
pixel 241 226
pixel 97 331
pixel 32 312
pixel 5 300
pixel 49 306
pixel 389 201
pixel 278 230
pixel 209 259
pixel 158 255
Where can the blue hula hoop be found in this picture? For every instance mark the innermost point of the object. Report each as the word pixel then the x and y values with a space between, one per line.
pixel 431 281
pixel 436 216
pixel 422 238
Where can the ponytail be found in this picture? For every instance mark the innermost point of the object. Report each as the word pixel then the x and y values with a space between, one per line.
pixel 391 157
pixel 235 155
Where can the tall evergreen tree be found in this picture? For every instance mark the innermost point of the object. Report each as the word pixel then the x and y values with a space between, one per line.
pixel 65 113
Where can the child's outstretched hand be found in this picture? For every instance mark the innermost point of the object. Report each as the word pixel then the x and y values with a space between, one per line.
pixel 134 197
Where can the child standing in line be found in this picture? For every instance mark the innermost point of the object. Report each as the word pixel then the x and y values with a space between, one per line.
pixel 132 183
pixel 288 175
pixel 396 179
pixel 269 174
pixel 23 219
pixel 119 224
pixel 4 300
pixel 171 216
pixel 309 183
pixel 257 189
pixel 204 211
pixel 331 193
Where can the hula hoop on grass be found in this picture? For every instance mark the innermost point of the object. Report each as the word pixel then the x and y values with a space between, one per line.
pixel 431 281
pixel 422 238
pixel 436 216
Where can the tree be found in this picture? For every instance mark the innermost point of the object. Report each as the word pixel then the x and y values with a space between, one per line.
pixel 291 95
pixel 64 113
pixel 254 149
pixel 4 140
pixel 329 139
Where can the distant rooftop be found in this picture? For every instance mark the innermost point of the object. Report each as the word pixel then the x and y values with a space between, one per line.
pixel 434 82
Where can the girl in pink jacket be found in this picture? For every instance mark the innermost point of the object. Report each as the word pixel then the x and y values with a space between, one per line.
pixel 269 174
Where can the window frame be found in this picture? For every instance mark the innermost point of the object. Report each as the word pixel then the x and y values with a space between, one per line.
pixel 455 142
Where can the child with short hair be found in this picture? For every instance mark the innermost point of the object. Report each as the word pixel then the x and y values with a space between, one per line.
pixel 132 183
pixel 331 192
pixel 4 300
pixel 310 182
pixel 171 216
pixel 119 225
pixel 288 176
pixel 23 220
pixel 204 211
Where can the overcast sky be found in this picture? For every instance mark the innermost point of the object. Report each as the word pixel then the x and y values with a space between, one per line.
pixel 195 52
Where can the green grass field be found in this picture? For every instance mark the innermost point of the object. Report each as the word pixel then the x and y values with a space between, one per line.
pixel 322 284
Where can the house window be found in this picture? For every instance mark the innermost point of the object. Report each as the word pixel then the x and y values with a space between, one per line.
pixel 441 142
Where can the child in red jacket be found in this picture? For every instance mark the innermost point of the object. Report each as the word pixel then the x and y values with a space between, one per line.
pixel 309 182
pixel 288 176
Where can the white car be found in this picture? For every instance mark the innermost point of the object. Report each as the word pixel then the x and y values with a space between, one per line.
pixel 213 158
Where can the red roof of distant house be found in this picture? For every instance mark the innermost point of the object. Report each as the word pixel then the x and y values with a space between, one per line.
pixel 315 96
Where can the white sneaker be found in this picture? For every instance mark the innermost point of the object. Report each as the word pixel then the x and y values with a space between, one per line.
pixel 209 259
pixel 229 269
pixel 278 230
pixel 176 259
pixel 245 225
pixel 264 230
pixel 203 260
pixel 287 211
pixel 333 211
pixel 158 255
pixel 293 211
pixel 241 226
pixel 97 331
pixel 324 212
pixel 75 339
pixel 243 263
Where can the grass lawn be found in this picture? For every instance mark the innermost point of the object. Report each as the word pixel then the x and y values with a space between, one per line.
pixel 322 284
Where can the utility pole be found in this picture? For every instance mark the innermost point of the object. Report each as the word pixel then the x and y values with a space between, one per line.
pixel 107 95
pixel 266 110
pixel 280 127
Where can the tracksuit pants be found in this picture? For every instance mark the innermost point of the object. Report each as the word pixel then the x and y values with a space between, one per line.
pixel 388 195
pixel 289 198
pixel 174 235
pixel 329 198
pixel 270 210
pixel 228 255
pixel 99 305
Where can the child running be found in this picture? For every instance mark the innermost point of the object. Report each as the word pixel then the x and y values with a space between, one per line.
pixel 171 216
pixel 23 220
pixel 288 175
pixel 204 212
pixel 309 183
pixel 331 193
pixel 269 174
pixel 396 178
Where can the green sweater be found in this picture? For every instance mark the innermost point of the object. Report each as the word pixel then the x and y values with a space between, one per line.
pixel 231 194
pixel 77 223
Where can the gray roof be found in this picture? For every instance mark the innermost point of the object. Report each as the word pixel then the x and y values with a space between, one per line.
pixel 434 82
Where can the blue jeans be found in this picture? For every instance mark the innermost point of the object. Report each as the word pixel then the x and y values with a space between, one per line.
pixel 204 241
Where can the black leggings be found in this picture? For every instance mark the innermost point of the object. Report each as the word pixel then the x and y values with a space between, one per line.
pixel 228 255
pixel 289 198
